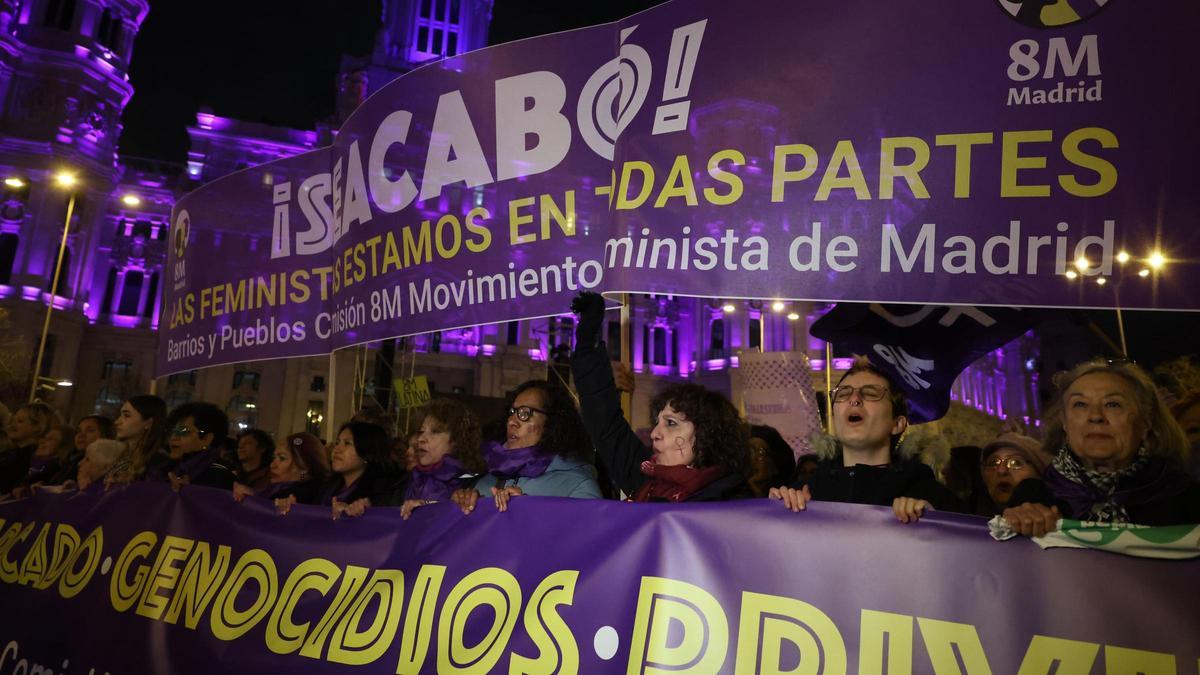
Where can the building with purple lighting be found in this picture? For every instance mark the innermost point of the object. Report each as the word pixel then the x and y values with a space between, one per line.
pixel 64 86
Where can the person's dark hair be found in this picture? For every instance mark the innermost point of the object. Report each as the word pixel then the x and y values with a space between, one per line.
pixel 107 430
pixel 309 453
pixel 778 451
pixel 722 436
pixel 564 433
pixel 266 444
pixel 465 434
pixel 896 395
pixel 209 419
pixel 142 448
pixel 370 443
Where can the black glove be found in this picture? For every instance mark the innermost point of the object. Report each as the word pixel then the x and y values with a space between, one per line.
pixel 590 308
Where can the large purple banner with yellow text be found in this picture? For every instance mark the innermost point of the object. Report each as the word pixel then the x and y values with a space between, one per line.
pixel 940 152
pixel 146 580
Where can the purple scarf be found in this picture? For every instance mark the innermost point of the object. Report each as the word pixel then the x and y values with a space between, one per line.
pixel 275 489
pixel 435 482
pixel 1150 482
pixel 508 464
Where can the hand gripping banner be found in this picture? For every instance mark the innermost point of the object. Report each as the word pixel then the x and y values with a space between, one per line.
pixel 146 580
pixel 940 152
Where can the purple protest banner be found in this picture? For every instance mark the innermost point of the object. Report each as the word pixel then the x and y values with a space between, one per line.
pixel 939 152
pixel 145 580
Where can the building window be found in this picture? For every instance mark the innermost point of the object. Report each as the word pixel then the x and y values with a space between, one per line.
pixel 60 14
pixel 246 378
pixel 109 287
pixel 514 333
pixel 8 255
pixel 151 295
pixel 108 31
pixel 132 293
pixel 716 339
pixel 182 379
pixel 117 377
pixel 243 412
pixel 61 289
pixel 438 27
pixel 756 332
pixel 614 340
pixel 660 346
pixel 313 417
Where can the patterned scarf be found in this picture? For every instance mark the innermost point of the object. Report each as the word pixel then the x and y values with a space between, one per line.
pixel 437 481
pixel 675 483
pixel 508 464
pixel 1096 491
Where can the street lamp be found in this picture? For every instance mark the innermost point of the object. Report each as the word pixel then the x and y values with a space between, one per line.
pixel 66 180
pixel 14 183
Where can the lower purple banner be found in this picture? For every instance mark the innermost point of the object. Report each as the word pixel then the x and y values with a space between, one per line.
pixel 149 581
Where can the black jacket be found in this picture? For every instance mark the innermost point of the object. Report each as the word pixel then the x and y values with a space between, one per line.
pixel 384 486
pixel 864 484
pixel 14 466
pixel 617 446
pixel 1160 494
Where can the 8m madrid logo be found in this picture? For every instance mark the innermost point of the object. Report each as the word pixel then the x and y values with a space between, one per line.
pixel 179 241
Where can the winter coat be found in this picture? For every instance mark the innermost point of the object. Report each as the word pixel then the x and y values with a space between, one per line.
pixel 879 485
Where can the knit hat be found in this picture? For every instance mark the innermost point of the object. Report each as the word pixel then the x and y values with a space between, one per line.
pixel 1029 448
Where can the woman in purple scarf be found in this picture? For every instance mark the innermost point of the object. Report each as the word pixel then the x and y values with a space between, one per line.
pixel 447 456
pixel 545 451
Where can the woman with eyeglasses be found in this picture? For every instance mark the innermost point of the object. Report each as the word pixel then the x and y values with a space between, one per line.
pixel 866 463
pixel 1004 464
pixel 699 445
pixel 545 451
pixel 1118 455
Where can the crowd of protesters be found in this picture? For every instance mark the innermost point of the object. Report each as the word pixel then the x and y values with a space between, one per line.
pixel 1112 452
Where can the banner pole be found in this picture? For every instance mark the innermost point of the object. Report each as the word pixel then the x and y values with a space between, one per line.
pixel 1121 332
pixel 829 387
pixel 331 396
pixel 626 355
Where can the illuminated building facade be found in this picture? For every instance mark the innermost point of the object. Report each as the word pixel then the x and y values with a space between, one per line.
pixel 64 86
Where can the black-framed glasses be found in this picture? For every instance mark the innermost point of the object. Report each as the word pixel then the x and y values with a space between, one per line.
pixel 525 412
pixel 868 392
pixel 1011 463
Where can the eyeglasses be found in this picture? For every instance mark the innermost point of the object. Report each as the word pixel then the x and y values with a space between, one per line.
pixel 525 412
pixel 181 431
pixel 868 392
pixel 1012 463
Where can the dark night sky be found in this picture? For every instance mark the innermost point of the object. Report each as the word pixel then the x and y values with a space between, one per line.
pixel 275 61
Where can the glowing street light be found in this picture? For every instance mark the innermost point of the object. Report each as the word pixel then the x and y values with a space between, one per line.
pixel 1072 274
pixel 65 180
pixel 1123 257
pixel 793 316
pixel 777 306
pixel 1157 260
pixel 1082 263
pixel 14 182
pixel 1143 273
pixel 131 200
pixel 1101 281
pixel 729 309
